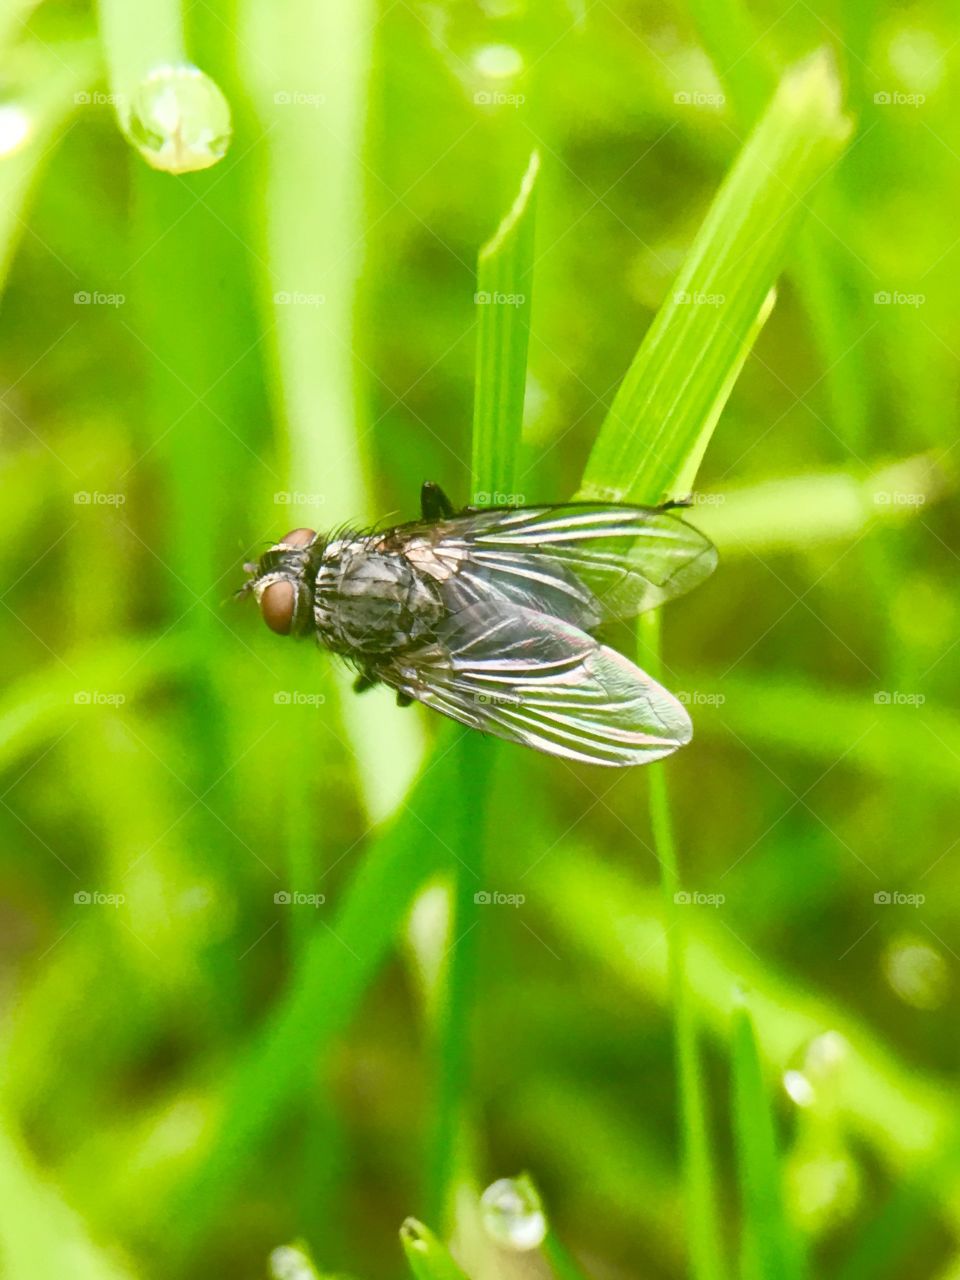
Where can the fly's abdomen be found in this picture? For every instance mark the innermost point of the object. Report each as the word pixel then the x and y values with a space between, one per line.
pixel 371 602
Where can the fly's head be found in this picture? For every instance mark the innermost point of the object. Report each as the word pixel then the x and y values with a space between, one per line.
pixel 282 582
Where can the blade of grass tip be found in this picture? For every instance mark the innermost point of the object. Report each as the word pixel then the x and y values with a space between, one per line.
pixel 427 1257
pixel 503 272
pixel 702 1214
pixel 684 365
pixel 172 113
pixel 769 1246
pixel 504 279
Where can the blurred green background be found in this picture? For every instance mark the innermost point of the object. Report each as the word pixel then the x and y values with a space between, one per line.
pixel 200 1064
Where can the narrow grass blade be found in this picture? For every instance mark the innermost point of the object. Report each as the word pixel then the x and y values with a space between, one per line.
pixel 427 1257
pixel 504 277
pixel 504 283
pixel 768 1245
pixel 666 407
pixel 703 1232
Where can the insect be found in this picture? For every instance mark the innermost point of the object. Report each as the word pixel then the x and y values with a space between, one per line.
pixel 490 616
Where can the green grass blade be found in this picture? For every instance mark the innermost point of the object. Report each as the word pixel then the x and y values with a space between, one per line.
pixel 768 1244
pixel 504 271
pixel 335 970
pixel 668 403
pixel 428 1258
pixel 703 1234
pixel 503 297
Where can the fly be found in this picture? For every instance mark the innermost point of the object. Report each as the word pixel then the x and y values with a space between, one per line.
pixel 490 616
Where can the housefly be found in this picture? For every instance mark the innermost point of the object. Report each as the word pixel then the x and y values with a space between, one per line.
pixel 490 616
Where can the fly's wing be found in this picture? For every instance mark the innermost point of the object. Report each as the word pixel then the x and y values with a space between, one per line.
pixel 534 679
pixel 583 563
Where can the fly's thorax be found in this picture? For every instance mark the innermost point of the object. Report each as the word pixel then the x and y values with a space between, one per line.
pixel 370 600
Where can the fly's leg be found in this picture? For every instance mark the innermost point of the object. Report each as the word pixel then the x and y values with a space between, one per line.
pixel 403 699
pixel 365 680
pixel 674 504
pixel 434 503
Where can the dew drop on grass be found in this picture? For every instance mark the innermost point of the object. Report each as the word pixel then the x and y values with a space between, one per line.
pixel 179 120
pixel 498 61
pixel 290 1263
pixel 812 1077
pixel 917 972
pixel 16 127
pixel 512 1214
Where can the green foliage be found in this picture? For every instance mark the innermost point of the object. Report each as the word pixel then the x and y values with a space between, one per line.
pixel 232 1014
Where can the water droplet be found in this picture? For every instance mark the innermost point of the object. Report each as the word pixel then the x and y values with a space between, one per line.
pixel 917 973
pixel 179 120
pixel 824 1187
pixel 16 126
pixel 812 1077
pixel 512 1214
pixel 290 1263
pixel 498 61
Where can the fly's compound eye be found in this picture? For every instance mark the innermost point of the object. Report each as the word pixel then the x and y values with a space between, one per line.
pixel 278 604
pixel 298 537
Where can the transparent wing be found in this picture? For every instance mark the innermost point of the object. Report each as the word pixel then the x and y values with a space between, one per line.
pixel 585 564
pixel 534 679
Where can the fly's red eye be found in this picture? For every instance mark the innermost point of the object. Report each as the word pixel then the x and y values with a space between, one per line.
pixel 278 605
pixel 298 537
